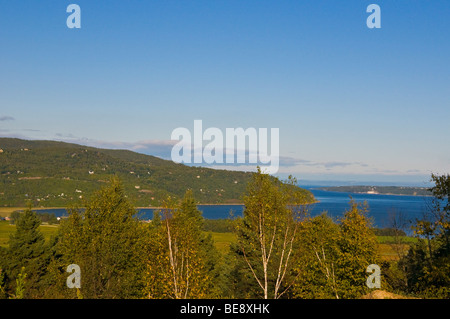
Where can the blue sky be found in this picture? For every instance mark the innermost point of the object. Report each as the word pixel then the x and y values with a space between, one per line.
pixel 351 103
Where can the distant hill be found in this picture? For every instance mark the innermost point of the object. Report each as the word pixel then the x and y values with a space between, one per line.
pixel 56 174
pixel 385 190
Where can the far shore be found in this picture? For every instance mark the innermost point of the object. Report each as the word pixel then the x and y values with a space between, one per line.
pixel 6 211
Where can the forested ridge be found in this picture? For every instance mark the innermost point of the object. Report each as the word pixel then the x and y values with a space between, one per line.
pixel 56 174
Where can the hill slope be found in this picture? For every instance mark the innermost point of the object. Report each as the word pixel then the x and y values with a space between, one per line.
pixel 56 174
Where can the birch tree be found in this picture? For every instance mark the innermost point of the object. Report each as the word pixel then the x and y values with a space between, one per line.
pixel 266 233
pixel 177 265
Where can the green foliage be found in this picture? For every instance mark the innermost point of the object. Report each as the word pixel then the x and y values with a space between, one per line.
pixel 358 249
pixel 45 217
pixel 266 235
pixel 108 244
pixel 388 232
pixel 218 225
pixel 427 263
pixel 48 218
pixel 14 217
pixel 393 240
pixel 20 284
pixel 276 251
pixel 26 250
pixel 3 294
pixel 182 258
pixel 335 256
pixel 317 267
pixel 6 230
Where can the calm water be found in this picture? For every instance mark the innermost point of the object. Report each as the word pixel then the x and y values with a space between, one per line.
pixel 335 203
pixel 380 206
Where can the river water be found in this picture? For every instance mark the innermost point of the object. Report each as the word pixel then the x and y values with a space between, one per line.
pixel 381 207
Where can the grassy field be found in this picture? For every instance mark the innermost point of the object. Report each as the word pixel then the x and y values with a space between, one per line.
pixel 6 211
pixel 391 240
pixel 6 229
pixel 222 240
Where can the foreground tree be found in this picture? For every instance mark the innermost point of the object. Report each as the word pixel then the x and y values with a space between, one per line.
pixel 181 257
pixel 335 255
pixel 26 254
pixel 318 264
pixel 107 242
pixel 441 208
pixel 358 249
pixel 428 261
pixel 267 231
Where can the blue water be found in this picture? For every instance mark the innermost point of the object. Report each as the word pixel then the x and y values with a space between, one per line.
pixel 380 206
pixel 335 203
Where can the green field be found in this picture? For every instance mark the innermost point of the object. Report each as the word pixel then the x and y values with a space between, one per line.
pixel 391 240
pixel 6 211
pixel 222 240
pixel 6 229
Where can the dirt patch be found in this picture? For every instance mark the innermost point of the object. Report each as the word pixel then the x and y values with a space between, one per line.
pixel 381 294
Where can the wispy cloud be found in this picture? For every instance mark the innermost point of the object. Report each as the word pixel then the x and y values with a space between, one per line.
pixel 290 161
pixel 6 118
pixel 287 161
pixel 159 148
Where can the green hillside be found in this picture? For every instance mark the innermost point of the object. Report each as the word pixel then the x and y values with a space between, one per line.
pixel 57 174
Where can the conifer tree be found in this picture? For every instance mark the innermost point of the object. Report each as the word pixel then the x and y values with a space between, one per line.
pixel 107 242
pixel 357 250
pixel 27 251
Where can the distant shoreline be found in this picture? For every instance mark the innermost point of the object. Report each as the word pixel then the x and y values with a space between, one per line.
pixel 156 207
pixel 6 211
pixel 378 190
